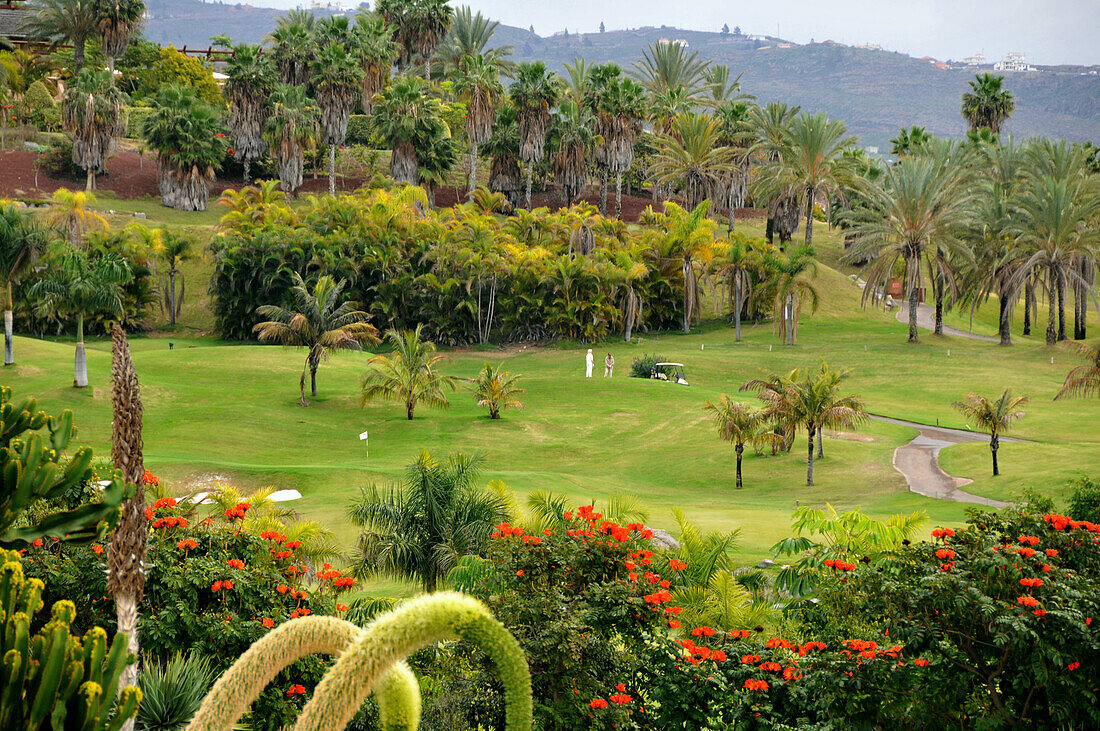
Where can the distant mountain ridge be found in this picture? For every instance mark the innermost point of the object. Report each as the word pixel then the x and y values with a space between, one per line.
pixel 875 92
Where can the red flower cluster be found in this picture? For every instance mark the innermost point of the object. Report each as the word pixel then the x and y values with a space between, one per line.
pixel 236 563
pixel 533 540
pixel 219 585
pixel 295 690
pixel 150 479
pixel 292 544
pixel 504 530
pixel 268 622
pixel 1052 552
pixel 943 533
pixel 791 674
pixel 271 535
pixel 921 662
pixel 341 607
pixel 777 642
pixel 676 565
pixel 164 502
pixel 598 703
pixel 697 653
pixel 1061 522
pixel 742 633
pixel 282 554
pixel 237 511
pixel 1027 601
pixel 660 597
pixel 945 553
pixel 172 521
pixel 753 684
pixel 620 699
pixel 1029 540
pixel 1026 552
pixel 836 563
pixel 749 659
pixel 1073 666
pixel 702 632
pixel 1034 583
pixel 860 645
pixel 947 566
pixel 188 543
pixel 771 666
pixel 303 612
pixel 97 549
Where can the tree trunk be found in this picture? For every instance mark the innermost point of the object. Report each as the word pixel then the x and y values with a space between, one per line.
pixel 1052 309
pixel 80 370
pixel 313 380
pixel 1029 305
pixel 1005 319
pixel 790 319
pixel 89 183
pixel 78 53
pixel 688 294
pixel 247 170
pixel 1061 282
pixel 473 168
pixel 740 452
pixel 820 450
pixel 530 174
pixel 631 310
pixel 810 454
pixel 810 215
pixel 994 445
pixel 1081 301
pixel 9 341
pixel 410 406
pixel 737 307
pixel 172 296
pixel 619 196
pixel 938 286
pixel 914 336
pixel 603 192
pixel 730 209
pixel 332 169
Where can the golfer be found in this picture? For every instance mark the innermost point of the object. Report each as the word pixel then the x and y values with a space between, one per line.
pixel 589 361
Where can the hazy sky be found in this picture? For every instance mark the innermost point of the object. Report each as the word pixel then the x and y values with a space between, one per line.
pixel 1047 31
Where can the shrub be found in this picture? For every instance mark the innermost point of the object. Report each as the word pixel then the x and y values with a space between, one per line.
pixel 176 69
pixel 1084 503
pixel 58 160
pixel 38 109
pixel 135 121
pixel 359 130
pixel 643 367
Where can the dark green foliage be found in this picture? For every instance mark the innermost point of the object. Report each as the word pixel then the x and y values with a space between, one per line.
pixel 359 132
pixel 38 109
pixel 135 121
pixel 645 366
pixel 1084 503
pixel 58 160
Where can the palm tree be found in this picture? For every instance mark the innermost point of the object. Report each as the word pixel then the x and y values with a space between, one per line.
pixel 770 125
pixel 574 136
pixel 503 148
pixel 69 210
pixel 723 90
pixel 62 21
pixel 174 249
pixel 988 104
pixel 534 94
pixel 479 88
pixel 688 237
pixel 620 107
pixel 691 159
pixel 419 25
pixel 792 288
pixel 469 36
pixel 736 133
pixel 377 53
pixel 736 264
pixel 292 48
pixel 92 113
pixel 319 322
pixel 184 130
pixel 737 424
pixel 909 141
pixel 915 217
pixel 22 241
pixel 994 417
pixel 629 274
pixel 117 21
pixel 251 80
pixel 1084 380
pixel 666 66
pixel 410 375
pixel 419 530
pixel 400 115
pixel 816 402
pixel 75 284
pixel 336 80
pixel 811 162
pixel 496 389
pixel 290 131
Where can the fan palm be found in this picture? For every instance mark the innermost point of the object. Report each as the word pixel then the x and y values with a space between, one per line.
pixel 620 107
pixel 909 141
pixel 75 284
pixel 1084 380
pixel 251 80
pixel 184 130
pixel 770 125
pixel 792 288
pixel 62 21
pixel 737 424
pixel 418 530
pixel 469 36
pixel 479 88
pixel 691 159
pixel 291 131
pixel 915 217
pixel 400 115
pixel 419 25
pixel 534 94
pixel 993 416
pixel 336 79
pixel 988 104
pixel 503 147
pixel 667 66
pixel 174 249
pixel 92 113
pixel 574 136
pixel 377 53
pixel 496 389
pixel 319 322
pixel 409 375
pixel 22 242
pixel 117 21
pixel 292 49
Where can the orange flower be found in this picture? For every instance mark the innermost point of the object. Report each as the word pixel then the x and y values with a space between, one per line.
pixel 1073 666
pixel 282 588
pixel 921 662
pixel 236 563
pixel 216 586
pixel 97 549
pixel 596 702
pixel 268 622
pixel 753 684
pixel 674 624
pixel 341 607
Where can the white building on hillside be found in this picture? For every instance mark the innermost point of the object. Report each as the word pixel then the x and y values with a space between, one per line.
pixel 1013 62
pixel 978 59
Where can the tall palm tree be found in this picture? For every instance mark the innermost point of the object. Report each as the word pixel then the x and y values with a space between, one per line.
pixel 736 133
pixel 993 416
pixel 336 80
pixel 251 80
pixel 22 242
pixel 117 21
pixel 736 265
pixel 815 401
pixel 377 54
pixel 915 217
pixel 62 21
pixel 810 163
pixel 469 36
pixel 770 125
pixel 722 89
pixel 503 147
pixel 687 236
pixel 399 119
pixel 92 113
pixel 574 136
pixel 496 389
pixel 184 130
pixel 666 66
pixel 535 93
pixel 575 83
pixel 69 210
pixel 909 141
pixel 737 423
pixel 1084 380
pixel 620 107
pixel 419 28
pixel 290 131
pixel 792 288
pixel 629 274
pixel 479 88
pixel 691 159
pixel 292 47
pixel 174 249
pixel 319 322
pixel 410 375
pixel 988 104
pixel 76 284
pixel 419 530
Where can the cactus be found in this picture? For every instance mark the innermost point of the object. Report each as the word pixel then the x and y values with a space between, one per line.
pixel 53 677
pixel 371 659
pixel 30 470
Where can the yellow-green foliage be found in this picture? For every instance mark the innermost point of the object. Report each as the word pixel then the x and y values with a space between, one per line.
pixel 54 675
pixel 398 697
pixel 174 67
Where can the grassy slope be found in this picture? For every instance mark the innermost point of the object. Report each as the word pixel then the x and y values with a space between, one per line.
pixel 230 410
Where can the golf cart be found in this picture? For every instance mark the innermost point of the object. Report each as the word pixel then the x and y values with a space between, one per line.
pixel 671 372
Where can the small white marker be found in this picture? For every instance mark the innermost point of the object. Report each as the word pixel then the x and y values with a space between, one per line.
pixel 363 438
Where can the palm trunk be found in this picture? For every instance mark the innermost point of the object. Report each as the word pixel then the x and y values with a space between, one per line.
pixel 172 296
pixel 78 53
pixel 410 406
pixel 937 285
pixel 619 196
pixel 1080 310
pixel 810 455
pixel 89 183
pixel 737 307
pixel 9 341
pixel 809 215
pixel 80 370
pixel 473 169
pixel 688 294
pixel 631 309
pixel 790 319
pixel 1052 309
pixel 530 174
pixel 1029 305
pixel 332 169
pixel 994 445
pixel 740 452
pixel 1061 306
pixel 1005 319
pixel 313 380
pixel 247 170
pixel 730 210
pixel 603 191
pixel 914 336
pixel 820 450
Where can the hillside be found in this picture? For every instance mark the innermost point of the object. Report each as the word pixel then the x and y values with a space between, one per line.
pixel 876 92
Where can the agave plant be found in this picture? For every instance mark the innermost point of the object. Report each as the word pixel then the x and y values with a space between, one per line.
pixel 172 692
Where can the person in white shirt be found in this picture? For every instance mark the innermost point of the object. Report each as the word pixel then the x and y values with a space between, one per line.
pixel 589 361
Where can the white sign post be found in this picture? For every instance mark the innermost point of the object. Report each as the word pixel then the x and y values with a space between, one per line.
pixel 363 439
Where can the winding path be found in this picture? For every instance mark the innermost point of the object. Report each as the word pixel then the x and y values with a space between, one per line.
pixel 926 320
pixel 918 462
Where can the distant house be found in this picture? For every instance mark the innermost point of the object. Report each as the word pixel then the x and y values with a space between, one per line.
pixel 11 18
pixel 978 59
pixel 869 46
pixel 1013 62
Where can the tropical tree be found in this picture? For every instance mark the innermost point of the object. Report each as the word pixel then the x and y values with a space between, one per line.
pixel 988 104
pixel 174 249
pixel 417 531
pixel 318 322
pixel 738 424
pixel 573 137
pixel 468 37
pixel 479 88
pixel 292 47
pixel 117 21
pixel 22 242
pixel 535 93
pixel 183 130
pixel 620 107
pixel 419 28
pixel 909 141
pixel 1084 380
pixel 736 133
pixel 62 21
pixel 410 375
pixel 668 66
pixel 736 263
pixel 691 158
pixel 336 79
pixel 377 53
pixel 993 416
pixel 403 116
pixel 915 217
pixel 629 274
pixel 496 389
pixel 291 131
pixel 687 236
pixel 770 126
pixel 251 80
pixel 92 113
pixel 76 283
pixel 793 288
pixel 814 402
pixel 69 211
pixel 503 147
